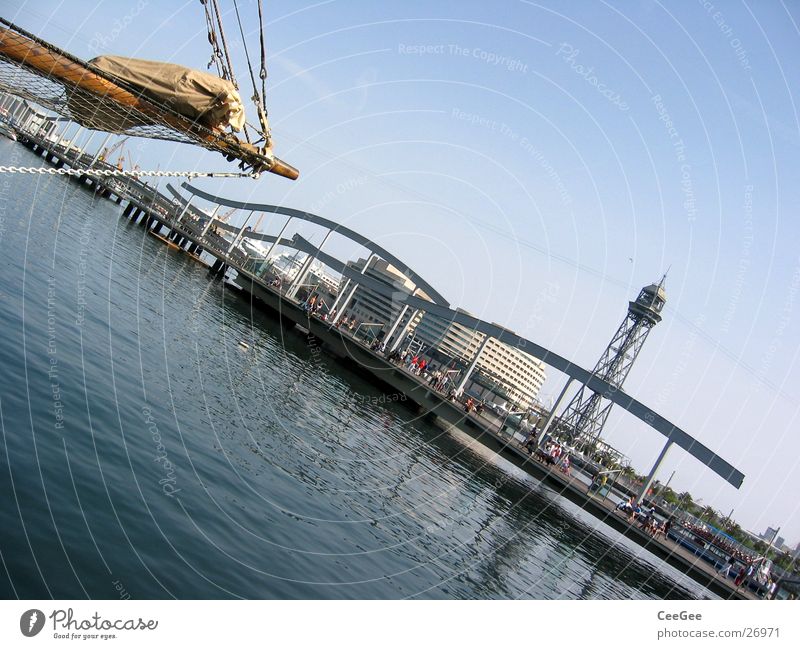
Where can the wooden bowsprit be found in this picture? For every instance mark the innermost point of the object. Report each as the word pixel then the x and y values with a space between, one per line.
pixel 35 70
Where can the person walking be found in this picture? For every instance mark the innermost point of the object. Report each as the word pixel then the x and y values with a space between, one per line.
pixel 740 577
pixel 727 567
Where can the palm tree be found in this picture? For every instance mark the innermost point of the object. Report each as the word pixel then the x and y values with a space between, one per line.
pixel 735 530
pixel 669 495
pixel 629 473
pixel 784 561
pixel 685 501
pixel 709 514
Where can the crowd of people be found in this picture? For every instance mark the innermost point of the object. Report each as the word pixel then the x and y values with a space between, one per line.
pixel 747 574
pixel 314 306
pixel 473 405
pixel 645 517
pixel 551 453
pixel 344 323
pixel 740 566
pixel 439 380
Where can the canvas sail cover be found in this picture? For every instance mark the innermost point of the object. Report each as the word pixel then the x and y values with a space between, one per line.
pixel 198 96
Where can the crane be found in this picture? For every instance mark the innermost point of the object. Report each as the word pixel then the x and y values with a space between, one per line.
pixel 224 218
pixel 107 152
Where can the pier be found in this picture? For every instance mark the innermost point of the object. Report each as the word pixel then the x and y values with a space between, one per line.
pixel 179 223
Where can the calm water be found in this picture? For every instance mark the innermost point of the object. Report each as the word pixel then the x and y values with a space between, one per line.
pixel 143 449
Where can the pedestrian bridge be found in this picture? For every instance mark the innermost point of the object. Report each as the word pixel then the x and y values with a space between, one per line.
pixel 440 307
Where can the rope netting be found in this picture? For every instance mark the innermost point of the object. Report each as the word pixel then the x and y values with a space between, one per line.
pixel 37 71
pixel 87 109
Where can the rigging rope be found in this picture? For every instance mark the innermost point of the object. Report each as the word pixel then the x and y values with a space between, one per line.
pixel 216 53
pixel 258 99
pixel 263 114
pixel 52 171
pixel 263 72
pixel 246 51
pixel 247 57
pixel 224 44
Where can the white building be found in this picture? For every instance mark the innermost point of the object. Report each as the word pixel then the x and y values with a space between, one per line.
pixel 379 312
pixel 520 375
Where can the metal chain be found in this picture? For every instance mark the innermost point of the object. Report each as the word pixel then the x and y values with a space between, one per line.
pixel 128 174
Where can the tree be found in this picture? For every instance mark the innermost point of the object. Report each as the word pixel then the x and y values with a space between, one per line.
pixel 735 530
pixel 709 515
pixel 670 496
pixel 784 561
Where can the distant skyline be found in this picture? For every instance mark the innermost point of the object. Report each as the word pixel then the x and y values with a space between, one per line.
pixel 539 164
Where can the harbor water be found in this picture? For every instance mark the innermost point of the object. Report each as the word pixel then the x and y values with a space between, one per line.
pixel 147 453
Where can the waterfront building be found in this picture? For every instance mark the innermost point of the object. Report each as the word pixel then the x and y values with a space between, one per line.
pixel 516 375
pixel 378 313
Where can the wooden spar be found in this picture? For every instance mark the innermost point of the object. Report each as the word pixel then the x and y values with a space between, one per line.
pixel 52 65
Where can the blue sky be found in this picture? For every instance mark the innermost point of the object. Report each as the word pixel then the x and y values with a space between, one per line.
pixel 539 162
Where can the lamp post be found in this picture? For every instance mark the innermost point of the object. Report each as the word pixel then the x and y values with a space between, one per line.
pixel 183 211
pixel 310 293
pixel 651 476
pixel 239 234
pixel 404 332
pixel 340 293
pixel 395 324
pixel 352 292
pixel 772 541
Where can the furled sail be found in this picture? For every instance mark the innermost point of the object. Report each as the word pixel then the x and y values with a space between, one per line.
pixel 198 96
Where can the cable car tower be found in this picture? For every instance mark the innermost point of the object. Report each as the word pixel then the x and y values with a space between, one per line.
pixel 586 414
